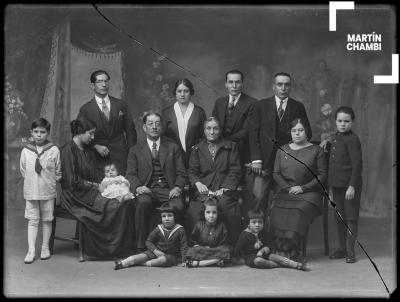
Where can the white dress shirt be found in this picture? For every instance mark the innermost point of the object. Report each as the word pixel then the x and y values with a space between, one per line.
pixel 150 143
pixel 236 99
pixel 99 102
pixel 183 121
pixel 278 102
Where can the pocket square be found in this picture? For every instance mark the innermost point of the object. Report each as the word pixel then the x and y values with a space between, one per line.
pixel 120 113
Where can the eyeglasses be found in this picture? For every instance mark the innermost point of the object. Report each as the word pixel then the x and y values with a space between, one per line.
pixel 102 81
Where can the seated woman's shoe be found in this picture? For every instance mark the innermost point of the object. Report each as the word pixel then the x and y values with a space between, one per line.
pixel 350 257
pixel 118 265
pixel 338 254
pixel 303 267
pixel 30 257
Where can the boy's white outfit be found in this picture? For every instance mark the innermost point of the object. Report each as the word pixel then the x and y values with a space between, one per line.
pixel 39 191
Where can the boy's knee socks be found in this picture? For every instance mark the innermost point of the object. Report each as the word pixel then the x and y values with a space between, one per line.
pixel 33 225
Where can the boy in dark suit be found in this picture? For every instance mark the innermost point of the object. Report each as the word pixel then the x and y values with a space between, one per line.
pixel 115 130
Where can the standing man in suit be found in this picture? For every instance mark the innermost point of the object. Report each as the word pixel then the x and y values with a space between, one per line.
pixel 234 112
pixel 270 131
pixel 115 130
pixel 157 175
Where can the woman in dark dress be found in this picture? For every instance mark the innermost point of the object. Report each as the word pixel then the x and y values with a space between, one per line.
pixel 183 121
pixel 298 199
pixel 107 224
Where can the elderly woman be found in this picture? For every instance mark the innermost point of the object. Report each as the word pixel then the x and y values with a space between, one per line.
pixel 214 169
pixel 108 225
pixel 298 197
pixel 183 121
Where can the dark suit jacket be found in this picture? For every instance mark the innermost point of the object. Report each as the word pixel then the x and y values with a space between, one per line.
pixel 140 167
pixel 345 161
pixel 223 172
pixel 194 132
pixel 241 118
pixel 263 129
pixel 117 134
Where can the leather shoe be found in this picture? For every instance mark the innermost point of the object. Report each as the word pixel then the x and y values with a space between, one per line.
pixel 118 265
pixel 338 254
pixel 350 258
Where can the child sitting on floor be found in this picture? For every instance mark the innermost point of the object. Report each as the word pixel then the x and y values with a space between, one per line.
pixel 165 244
pixel 114 185
pixel 251 244
pixel 208 239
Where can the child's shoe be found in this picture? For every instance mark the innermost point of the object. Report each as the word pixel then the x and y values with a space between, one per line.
pixel 30 257
pixel 45 253
pixel 118 265
pixel 303 267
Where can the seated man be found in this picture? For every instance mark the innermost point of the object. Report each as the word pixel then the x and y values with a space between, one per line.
pixel 157 175
pixel 214 169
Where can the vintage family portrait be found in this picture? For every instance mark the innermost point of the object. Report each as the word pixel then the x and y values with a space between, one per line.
pixel 190 151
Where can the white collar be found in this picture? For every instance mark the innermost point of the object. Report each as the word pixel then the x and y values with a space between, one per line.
pixel 183 122
pixel 150 143
pixel 236 100
pixel 99 100
pixel 278 102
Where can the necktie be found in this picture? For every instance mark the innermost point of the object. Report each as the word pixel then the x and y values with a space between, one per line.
pixel 38 166
pixel 212 148
pixel 154 150
pixel 231 105
pixel 105 109
pixel 280 110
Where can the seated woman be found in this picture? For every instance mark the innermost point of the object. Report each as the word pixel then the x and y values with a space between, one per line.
pixel 183 121
pixel 298 198
pixel 108 225
pixel 214 169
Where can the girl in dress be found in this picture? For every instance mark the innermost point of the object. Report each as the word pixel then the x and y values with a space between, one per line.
pixel 252 246
pixel 209 239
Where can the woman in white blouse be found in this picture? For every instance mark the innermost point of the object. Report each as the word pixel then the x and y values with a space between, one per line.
pixel 183 121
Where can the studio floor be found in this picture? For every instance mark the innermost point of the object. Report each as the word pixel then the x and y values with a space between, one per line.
pixel 63 276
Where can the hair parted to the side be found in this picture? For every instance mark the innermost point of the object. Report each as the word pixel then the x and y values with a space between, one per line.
pixel 307 128
pixel 148 113
pixel 41 122
pixel 234 71
pixel 281 73
pixel 211 202
pixel 94 75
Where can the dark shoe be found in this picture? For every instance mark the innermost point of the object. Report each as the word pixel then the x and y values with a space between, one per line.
pixel 350 258
pixel 338 254
pixel 118 265
pixel 189 263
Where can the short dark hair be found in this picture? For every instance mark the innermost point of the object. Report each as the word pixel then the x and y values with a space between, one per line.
pixel 212 119
pixel 347 110
pixel 234 71
pixel 148 113
pixel 185 82
pixel 166 208
pixel 255 214
pixel 41 122
pixel 80 126
pixel 281 73
pixel 306 126
pixel 94 75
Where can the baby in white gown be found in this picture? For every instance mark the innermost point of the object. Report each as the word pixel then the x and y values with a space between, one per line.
pixel 114 185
